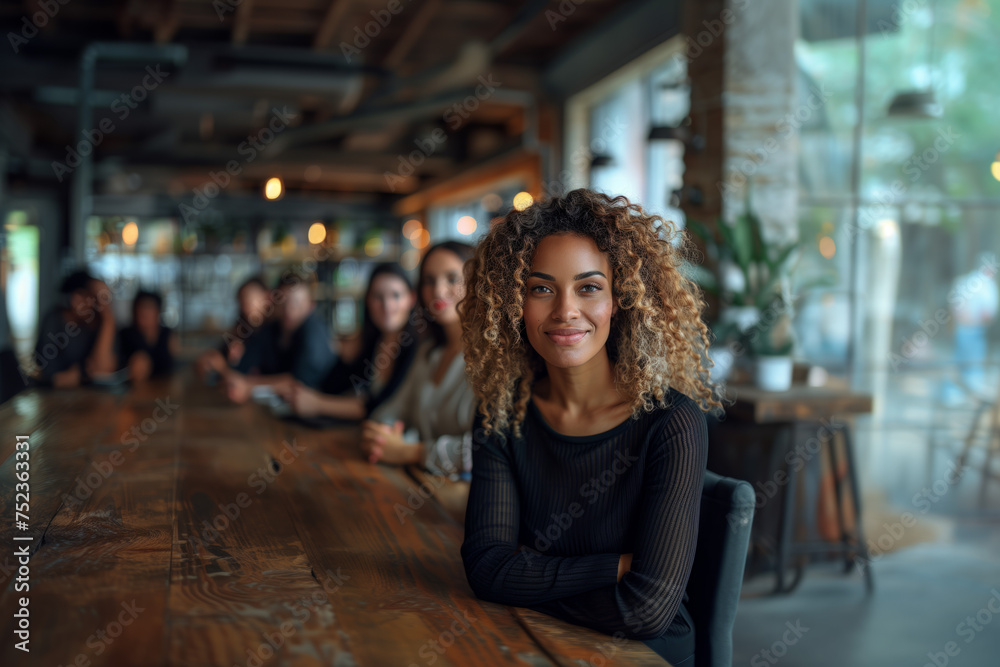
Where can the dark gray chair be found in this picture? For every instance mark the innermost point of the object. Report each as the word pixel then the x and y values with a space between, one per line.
pixel 714 587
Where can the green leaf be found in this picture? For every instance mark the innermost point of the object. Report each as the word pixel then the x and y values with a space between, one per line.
pixel 702 231
pixel 705 278
pixel 743 242
pixel 778 265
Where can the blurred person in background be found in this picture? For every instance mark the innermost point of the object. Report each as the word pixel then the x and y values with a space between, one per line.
pixel 974 302
pixel 147 347
pixel 354 388
pixel 294 346
pixel 76 340
pixel 255 305
pixel 428 421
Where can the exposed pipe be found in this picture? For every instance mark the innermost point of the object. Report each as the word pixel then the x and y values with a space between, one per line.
pixel 81 185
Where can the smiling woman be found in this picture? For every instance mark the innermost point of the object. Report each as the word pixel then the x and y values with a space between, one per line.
pixel 584 347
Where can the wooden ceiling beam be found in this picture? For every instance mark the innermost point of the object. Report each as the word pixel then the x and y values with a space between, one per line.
pixel 169 22
pixel 334 16
pixel 241 25
pixel 414 30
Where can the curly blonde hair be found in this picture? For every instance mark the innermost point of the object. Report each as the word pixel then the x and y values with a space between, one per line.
pixel 657 339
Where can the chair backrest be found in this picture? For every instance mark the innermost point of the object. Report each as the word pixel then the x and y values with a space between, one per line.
pixel 11 379
pixel 727 507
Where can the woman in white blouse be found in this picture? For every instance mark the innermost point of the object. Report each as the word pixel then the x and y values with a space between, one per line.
pixel 428 420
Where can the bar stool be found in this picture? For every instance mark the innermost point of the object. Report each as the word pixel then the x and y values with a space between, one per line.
pixel 851 543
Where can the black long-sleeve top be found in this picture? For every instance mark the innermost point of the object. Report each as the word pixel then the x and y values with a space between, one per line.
pixel 576 503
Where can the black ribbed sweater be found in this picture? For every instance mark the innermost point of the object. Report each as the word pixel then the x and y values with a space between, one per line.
pixel 574 504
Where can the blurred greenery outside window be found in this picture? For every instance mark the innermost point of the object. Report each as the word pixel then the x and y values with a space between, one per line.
pixel 928 200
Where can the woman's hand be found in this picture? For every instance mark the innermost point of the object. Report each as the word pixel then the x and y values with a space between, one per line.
pixel 624 565
pixel 235 351
pixel 237 388
pixel 210 360
pixel 140 366
pixel 304 401
pixel 381 442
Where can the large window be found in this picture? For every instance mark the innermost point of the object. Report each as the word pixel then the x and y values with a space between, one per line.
pixel 898 200
pixel 624 133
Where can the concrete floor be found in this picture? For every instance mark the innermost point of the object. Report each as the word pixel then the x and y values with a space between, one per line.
pixel 933 587
pixel 923 596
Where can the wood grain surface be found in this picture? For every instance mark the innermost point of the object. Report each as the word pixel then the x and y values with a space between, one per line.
pixel 171 527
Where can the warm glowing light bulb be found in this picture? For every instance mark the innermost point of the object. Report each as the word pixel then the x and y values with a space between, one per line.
pixel 466 225
pixel 374 246
pixel 995 169
pixel 411 227
pixel 421 239
pixel 130 233
pixel 317 233
pixel 523 200
pixel 274 188
pixel 827 247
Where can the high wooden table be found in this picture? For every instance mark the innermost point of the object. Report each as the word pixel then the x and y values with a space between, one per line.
pixel 801 424
pixel 169 527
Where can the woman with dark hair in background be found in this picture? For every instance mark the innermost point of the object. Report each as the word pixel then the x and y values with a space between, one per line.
pixel 354 388
pixel 293 346
pixel 434 406
pixel 255 306
pixel 147 347
pixel 585 347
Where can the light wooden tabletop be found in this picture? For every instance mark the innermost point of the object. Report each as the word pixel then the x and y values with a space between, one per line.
pixel 169 527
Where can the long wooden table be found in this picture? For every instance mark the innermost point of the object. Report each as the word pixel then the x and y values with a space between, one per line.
pixel 169 527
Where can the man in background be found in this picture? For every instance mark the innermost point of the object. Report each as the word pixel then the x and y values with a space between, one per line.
pixel 974 302
pixel 295 346
pixel 76 340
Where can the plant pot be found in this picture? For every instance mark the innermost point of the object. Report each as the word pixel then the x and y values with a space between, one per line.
pixel 744 317
pixel 774 373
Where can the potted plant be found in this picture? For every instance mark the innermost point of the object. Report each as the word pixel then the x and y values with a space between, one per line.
pixel 751 280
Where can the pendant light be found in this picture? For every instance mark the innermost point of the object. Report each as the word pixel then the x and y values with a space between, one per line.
pixel 919 103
